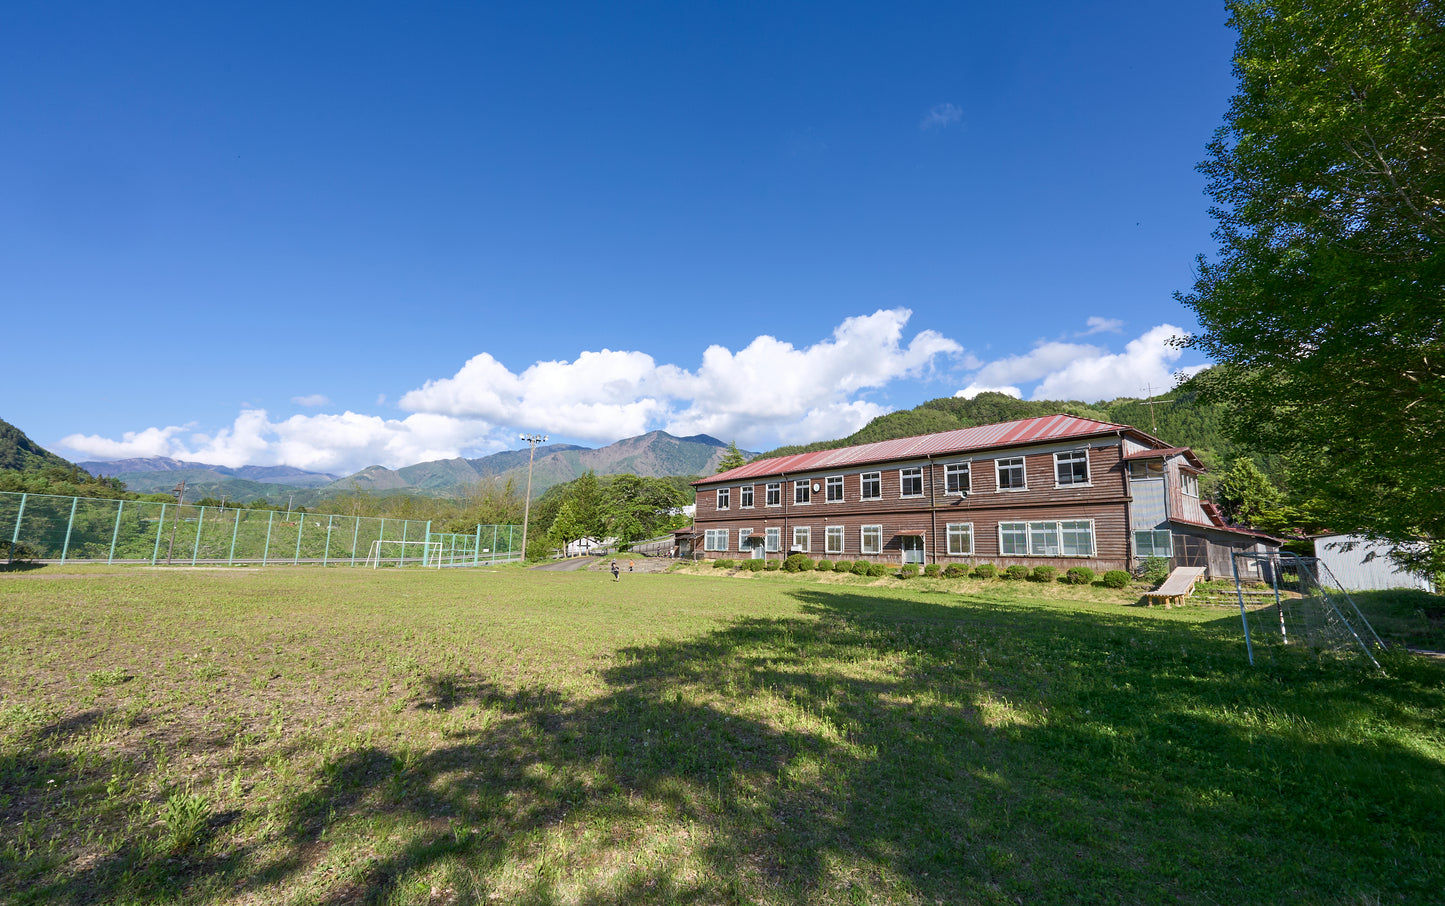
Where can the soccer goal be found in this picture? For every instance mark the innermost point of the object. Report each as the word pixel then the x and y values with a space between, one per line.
pixel 403 553
pixel 1302 604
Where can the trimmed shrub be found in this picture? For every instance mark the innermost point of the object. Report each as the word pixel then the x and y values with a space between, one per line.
pixel 955 571
pixel 932 570
pixel 985 571
pixel 825 566
pixel 798 563
pixel 722 563
pixel 908 571
pixel 843 566
pixel 860 567
pixel 1043 574
pixel 1017 572
pixel 1079 575
pixel 772 566
pixel 756 566
pixel 1156 570
pixel 1116 578
pixel 877 570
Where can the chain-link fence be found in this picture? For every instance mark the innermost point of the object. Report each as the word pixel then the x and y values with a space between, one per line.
pixel 46 528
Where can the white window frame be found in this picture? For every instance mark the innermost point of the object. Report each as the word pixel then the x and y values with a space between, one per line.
pixel 1154 536
pixel 864 480
pixel 963 533
pixel 876 532
pixel 1013 535
pixel 1046 538
pixel 906 475
pixel 745 497
pixel 774 491
pixel 1066 460
pixel 833 539
pixel 832 483
pixel 724 498
pixel 953 469
pixel 715 540
pixel 772 539
pixel 1189 483
pixel 1076 528
pixel 1014 462
pixel 743 535
pixel 802 491
pixel 804 534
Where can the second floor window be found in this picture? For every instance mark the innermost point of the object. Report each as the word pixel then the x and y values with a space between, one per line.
pixel 801 494
pixel 775 493
pixel 956 478
pixel 724 495
pixel 872 485
pixel 1071 468
pixel 911 482
pixel 1011 474
pixel 835 488
pixel 745 497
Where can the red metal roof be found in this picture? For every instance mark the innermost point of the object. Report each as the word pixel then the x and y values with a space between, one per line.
pixel 963 440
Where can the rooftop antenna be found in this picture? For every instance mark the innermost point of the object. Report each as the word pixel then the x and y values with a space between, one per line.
pixel 1153 423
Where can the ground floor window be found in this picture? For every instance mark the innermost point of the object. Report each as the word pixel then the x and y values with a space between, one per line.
pixel 715 540
pixel 834 542
pixel 1073 538
pixel 870 540
pixel 802 537
pixel 774 540
pixel 960 539
pixel 1157 543
pixel 743 535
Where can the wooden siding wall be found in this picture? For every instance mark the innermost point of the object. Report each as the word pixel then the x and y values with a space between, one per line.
pixel 1104 500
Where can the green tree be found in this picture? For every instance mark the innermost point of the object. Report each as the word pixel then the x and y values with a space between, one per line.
pixel 732 459
pixel 1326 298
pixel 639 508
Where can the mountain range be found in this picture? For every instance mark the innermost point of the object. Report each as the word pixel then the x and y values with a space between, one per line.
pixel 653 455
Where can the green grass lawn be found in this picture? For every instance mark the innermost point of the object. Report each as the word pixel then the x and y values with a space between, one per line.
pixel 470 736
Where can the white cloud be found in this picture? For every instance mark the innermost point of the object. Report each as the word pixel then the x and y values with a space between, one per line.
pixel 1090 373
pixel 940 116
pixel 314 401
pixel 766 393
pixel 973 390
pixel 1101 325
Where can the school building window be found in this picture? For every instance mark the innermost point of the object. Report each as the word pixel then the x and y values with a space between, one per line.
pixel 834 539
pixel 956 478
pixel 911 482
pixel 960 539
pixel 870 539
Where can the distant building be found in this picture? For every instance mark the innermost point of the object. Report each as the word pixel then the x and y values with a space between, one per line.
pixel 1056 490
pixel 1360 564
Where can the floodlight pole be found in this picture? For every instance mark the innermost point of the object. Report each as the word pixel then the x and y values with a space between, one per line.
pixel 532 439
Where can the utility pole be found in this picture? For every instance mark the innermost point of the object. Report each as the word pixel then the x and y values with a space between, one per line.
pixel 1153 424
pixel 180 492
pixel 532 439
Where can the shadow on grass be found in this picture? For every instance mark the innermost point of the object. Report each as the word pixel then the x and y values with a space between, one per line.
pixel 870 748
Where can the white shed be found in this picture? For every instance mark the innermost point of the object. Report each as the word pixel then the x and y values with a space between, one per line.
pixel 1360 564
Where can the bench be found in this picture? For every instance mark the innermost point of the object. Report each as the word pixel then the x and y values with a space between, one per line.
pixel 1177 587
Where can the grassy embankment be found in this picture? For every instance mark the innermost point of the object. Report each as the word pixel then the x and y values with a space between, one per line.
pixel 310 736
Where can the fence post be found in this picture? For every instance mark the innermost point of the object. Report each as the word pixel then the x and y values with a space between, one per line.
pixel 235 529
pixel 477 549
pixel 405 528
pixel 156 552
pixel 15 538
pixel 115 533
pixel 266 551
pixel 65 549
pixel 426 546
pixel 355 534
pixel 326 554
pixel 200 521
pixel 300 527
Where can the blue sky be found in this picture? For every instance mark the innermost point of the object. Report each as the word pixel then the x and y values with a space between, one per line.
pixel 336 235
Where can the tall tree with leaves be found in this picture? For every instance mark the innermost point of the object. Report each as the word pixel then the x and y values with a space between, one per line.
pixel 1326 306
pixel 731 459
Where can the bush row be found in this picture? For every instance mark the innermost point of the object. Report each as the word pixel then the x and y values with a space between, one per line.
pixel 1076 575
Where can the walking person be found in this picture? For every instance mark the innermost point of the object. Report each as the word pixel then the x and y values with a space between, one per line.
pixel 616 573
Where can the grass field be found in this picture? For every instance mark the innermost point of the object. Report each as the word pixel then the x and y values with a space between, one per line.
pixel 470 736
